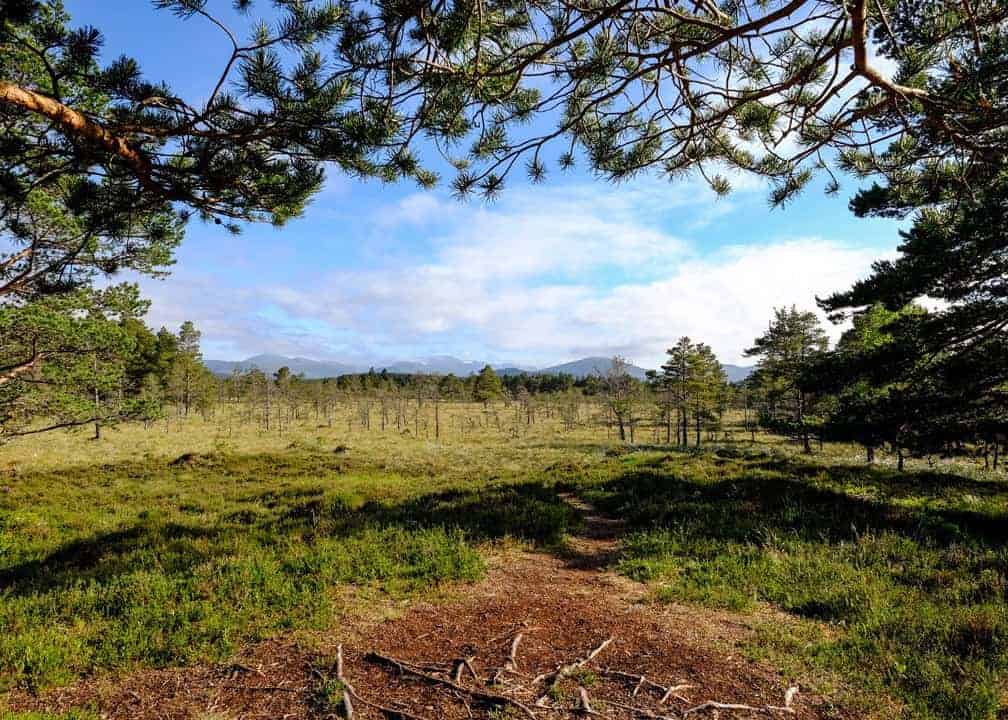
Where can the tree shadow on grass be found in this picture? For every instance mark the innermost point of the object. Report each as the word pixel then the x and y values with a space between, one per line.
pixel 743 499
pixel 529 510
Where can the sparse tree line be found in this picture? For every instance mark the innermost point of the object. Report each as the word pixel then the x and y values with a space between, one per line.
pixel 101 170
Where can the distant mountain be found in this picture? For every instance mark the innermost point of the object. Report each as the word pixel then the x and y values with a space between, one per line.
pixel 737 373
pixel 437 365
pixel 590 366
pixel 269 364
pixel 315 369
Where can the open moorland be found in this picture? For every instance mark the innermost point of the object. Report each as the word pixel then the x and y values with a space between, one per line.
pixel 201 570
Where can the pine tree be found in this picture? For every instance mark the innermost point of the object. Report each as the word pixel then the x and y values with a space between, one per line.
pixel 634 84
pixel 67 360
pixel 871 402
pixel 488 386
pixel 692 382
pixel 676 378
pixel 793 342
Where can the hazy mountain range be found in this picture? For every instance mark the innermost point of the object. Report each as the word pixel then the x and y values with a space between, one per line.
pixel 438 365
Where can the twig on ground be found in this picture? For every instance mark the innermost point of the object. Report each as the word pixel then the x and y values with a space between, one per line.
pixel 408 668
pixel 789 696
pixel 584 703
pixel 641 682
pixel 511 664
pixel 712 705
pixel 464 663
pixel 349 693
pixel 564 671
pixel 643 712
pixel 673 692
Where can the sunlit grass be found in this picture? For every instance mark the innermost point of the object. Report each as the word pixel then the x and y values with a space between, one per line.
pixel 180 542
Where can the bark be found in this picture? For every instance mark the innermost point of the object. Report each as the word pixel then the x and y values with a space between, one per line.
pixel 75 124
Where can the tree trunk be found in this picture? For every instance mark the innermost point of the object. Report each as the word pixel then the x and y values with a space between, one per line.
pixel 899 458
pixel 870 452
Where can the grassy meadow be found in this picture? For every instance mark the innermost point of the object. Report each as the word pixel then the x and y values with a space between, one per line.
pixel 179 542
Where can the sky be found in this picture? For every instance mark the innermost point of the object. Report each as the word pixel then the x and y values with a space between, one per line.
pixel 548 273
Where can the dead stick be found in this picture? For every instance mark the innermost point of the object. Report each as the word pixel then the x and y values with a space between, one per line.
pixel 674 691
pixel 641 682
pixel 643 712
pixel 585 706
pixel 712 705
pixel 513 653
pixel 565 671
pixel 492 698
pixel 349 692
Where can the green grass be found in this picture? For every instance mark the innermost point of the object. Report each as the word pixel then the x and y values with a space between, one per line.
pixel 157 563
pixel 886 590
pixel 900 579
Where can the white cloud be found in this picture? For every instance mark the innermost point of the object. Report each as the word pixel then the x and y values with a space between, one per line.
pixel 546 275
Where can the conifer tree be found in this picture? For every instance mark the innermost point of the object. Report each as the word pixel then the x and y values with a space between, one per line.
pixel 66 360
pixel 792 343
pixel 488 386
pixel 782 88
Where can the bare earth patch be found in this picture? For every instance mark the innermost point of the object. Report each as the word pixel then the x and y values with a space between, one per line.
pixel 507 647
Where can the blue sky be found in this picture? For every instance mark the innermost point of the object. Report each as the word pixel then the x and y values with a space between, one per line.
pixel 548 273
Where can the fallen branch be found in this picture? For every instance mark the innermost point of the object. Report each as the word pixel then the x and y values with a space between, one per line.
pixel 673 692
pixel 350 694
pixel 511 664
pixel 512 661
pixel 641 682
pixel 584 706
pixel 712 705
pixel 463 664
pixel 789 696
pixel 492 698
pixel 564 671
pixel 643 712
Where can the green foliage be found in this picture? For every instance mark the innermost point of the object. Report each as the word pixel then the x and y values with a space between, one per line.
pixel 252 150
pixel 510 80
pixel 793 343
pixel 897 583
pixel 157 563
pixel 488 386
pixel 940 376
pixel 693 384
pixel 66 357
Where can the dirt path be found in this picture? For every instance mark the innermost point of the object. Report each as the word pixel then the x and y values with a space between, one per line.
pixel 562 606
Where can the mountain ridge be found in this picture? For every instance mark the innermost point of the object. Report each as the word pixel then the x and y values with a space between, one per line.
pixel 437 365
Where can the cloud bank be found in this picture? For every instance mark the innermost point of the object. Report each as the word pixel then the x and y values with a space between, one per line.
pixel 547 275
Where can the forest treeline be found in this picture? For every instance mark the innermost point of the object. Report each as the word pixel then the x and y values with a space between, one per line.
pixel 102 169
pixel 801 388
